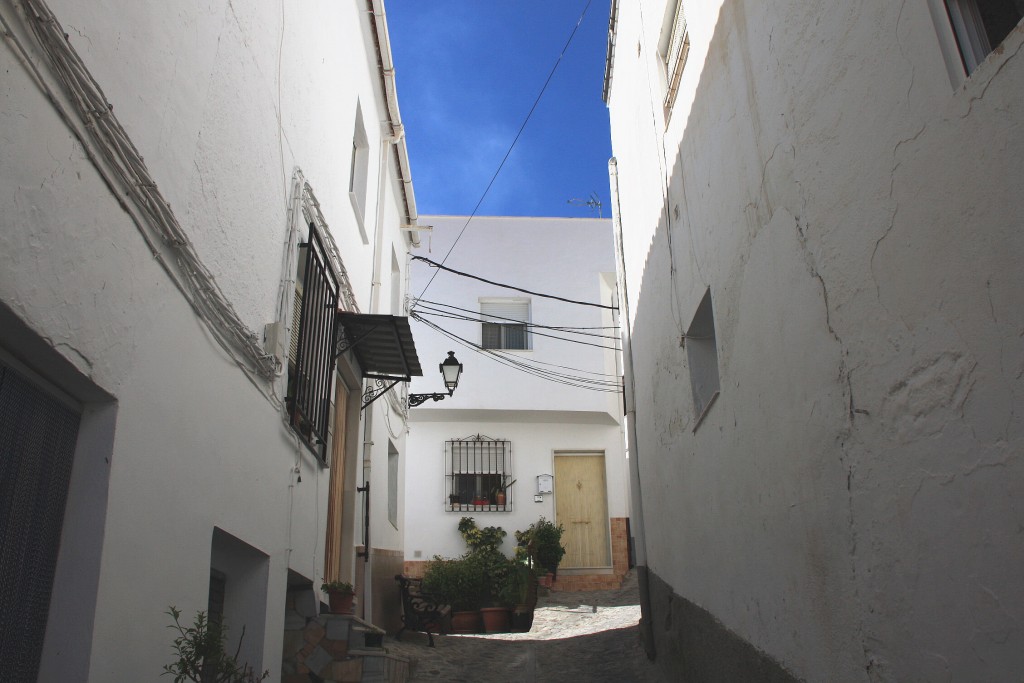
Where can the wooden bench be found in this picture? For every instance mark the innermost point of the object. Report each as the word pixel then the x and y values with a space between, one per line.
pixel 419 611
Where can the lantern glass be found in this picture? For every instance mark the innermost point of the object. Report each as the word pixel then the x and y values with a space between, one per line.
pixel 451 369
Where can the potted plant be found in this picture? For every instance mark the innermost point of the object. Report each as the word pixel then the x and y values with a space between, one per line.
pixel 499 493
pixel 541 546
pixel 340 595
pixel 460 583
pixel 517 591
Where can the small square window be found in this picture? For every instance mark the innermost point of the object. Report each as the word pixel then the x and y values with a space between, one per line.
pixel 702 355
pixel 505 324
pixel 478 474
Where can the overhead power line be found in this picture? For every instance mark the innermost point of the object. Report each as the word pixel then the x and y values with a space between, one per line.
pixel 442 310
pixel 573 380
pixel 514 141
pixel 441 266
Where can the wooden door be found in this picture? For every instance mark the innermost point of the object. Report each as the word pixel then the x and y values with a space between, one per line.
pixel 336 487
pixel 581 506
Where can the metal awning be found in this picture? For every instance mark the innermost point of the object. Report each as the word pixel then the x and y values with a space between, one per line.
pixel 382 344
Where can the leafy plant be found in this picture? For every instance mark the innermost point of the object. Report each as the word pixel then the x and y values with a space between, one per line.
pixel 459 582
pixel 512 588
pixel 540 545
pixel 337 587
pixel 201 657
pixel 490 537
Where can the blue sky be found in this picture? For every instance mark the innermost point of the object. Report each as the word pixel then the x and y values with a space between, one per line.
pixel 468 72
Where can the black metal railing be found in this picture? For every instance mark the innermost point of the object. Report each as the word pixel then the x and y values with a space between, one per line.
pixel 478 474
pixel 310 392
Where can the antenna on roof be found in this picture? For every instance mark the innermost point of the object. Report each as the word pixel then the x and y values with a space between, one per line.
pixel 594 202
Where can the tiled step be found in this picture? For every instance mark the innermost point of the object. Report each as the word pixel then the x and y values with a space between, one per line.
pixel 332 648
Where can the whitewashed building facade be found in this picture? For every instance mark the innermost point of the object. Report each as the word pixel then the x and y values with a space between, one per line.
pixel 821 229
pixel 181 185
pixel 539 406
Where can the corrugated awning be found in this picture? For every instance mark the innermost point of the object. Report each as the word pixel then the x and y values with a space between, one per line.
pixel 382 344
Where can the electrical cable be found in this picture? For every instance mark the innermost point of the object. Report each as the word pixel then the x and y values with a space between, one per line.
pixel 539 334
pixel 440 313
pixel 123 170
pixel 514 141
pixel 548 327
pixel 441 266
pixel 497 356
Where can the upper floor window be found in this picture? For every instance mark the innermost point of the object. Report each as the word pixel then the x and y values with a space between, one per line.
pixel 478 474
pixel 358 173
pixel 981 25
pixel 674 48
pixel 504 323
pixel 311 347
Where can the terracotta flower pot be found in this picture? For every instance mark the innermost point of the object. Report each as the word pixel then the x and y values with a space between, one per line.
pixel 499 498
pixel 466 622
pixel 495 619
pixel 341 603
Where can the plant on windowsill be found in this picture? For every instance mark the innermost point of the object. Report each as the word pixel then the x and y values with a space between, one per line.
pixel 499 492
pixel 340 595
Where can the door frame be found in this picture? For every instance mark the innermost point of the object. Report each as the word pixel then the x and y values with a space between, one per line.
pixel 570 453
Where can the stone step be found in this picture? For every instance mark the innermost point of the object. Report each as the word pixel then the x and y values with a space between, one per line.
pixel 332 648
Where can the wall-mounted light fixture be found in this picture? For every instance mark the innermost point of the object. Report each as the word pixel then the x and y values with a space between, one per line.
pixel 451 370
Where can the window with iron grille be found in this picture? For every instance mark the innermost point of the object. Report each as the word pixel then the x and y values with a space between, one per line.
pixel 504 324
pixel 311 351
pixel 478 474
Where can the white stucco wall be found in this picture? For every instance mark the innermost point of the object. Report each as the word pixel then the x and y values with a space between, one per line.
pixel 224 101
pixel 567 257
pixel 850 504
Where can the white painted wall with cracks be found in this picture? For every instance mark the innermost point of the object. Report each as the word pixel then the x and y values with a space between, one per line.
pixel 224 100
pixel 851 504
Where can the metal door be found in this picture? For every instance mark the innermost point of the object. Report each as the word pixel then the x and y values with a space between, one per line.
pixel 37 445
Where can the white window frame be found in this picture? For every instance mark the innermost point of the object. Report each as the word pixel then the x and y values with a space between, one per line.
pixel 485 461
pixel 674 49
pixel 502 311
pixel 359 170
pixel 970 32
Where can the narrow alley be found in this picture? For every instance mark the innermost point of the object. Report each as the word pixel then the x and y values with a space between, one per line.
pixel 570 640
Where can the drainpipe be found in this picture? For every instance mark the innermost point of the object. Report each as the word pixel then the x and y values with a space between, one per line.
pixel 390 144
pixel 387 77
pixel 629 399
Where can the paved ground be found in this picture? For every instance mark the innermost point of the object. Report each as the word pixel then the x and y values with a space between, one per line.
pixel 569 641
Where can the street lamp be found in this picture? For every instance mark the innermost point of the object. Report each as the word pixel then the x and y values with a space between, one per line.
pixel 451 370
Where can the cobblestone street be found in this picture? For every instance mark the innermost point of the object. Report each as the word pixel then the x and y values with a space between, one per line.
pixel 589 636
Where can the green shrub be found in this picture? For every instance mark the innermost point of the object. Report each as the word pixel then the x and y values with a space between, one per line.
pixel 540 545
pixel 458 582
pixel 200 654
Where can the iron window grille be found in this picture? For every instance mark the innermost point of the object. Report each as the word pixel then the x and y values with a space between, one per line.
pixel 311 369
pixel 477 468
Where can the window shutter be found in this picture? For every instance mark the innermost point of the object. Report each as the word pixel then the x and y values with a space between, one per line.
pixel 491 336
pixel 505 311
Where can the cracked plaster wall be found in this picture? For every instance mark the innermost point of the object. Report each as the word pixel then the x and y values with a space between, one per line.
pixel 201 89
pixel 850 505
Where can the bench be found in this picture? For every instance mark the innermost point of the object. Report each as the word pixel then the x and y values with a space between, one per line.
pixel 419 611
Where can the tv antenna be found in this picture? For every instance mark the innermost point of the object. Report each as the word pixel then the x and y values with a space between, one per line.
pixel 594 202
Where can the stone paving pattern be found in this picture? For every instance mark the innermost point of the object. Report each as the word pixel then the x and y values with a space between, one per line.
pixel 569 641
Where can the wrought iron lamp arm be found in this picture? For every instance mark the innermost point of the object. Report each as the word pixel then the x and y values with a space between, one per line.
pixel 418 399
